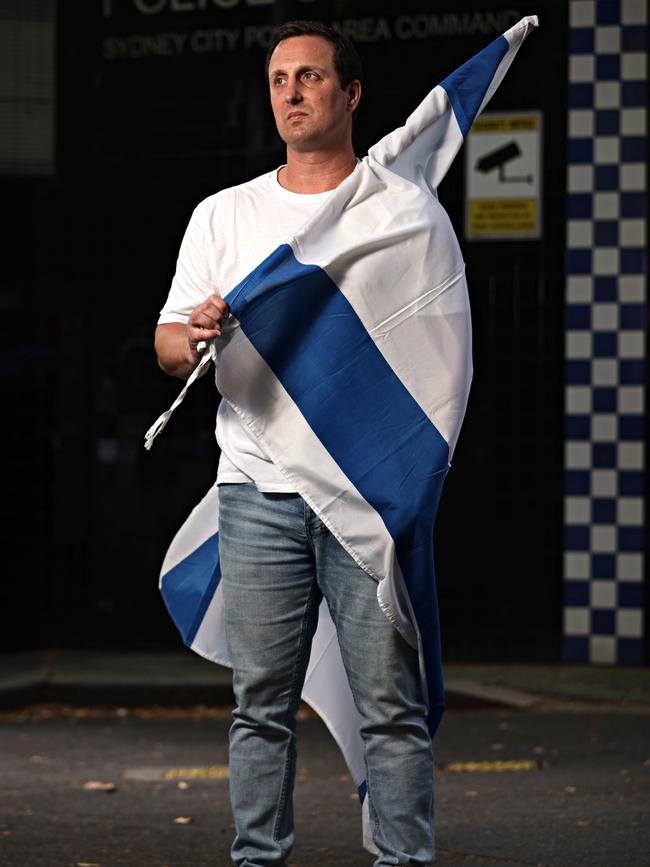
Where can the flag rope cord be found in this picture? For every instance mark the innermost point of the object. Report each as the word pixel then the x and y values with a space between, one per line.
pixel 160 423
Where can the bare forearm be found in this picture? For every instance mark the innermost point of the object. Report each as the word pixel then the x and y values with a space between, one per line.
pixel 175 355
pixel 176 343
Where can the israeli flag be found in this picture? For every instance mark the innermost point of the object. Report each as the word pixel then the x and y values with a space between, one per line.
pixel 348 356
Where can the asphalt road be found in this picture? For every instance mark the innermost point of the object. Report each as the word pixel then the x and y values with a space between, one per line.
pixel 580 796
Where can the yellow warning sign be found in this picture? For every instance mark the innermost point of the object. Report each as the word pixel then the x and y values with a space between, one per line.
pixel 503 177
pixel 498 216
pixel 505 123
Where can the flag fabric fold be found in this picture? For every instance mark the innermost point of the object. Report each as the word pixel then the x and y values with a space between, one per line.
pixel 348 356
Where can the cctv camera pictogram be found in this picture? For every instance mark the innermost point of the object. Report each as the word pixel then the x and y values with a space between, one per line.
pixel 498 159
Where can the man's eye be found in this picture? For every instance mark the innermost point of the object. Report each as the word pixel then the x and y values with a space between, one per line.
pixel 310 76
pixel 278 80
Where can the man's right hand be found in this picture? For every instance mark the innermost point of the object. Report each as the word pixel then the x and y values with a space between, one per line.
pixel 205 321
pixel 176 343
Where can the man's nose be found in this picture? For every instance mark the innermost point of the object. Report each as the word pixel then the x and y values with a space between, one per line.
pixel 293 94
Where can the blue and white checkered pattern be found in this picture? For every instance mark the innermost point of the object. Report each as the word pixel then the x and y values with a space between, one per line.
pixel 605 332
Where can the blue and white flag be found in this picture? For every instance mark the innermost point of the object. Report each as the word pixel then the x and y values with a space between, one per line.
pixel 348 356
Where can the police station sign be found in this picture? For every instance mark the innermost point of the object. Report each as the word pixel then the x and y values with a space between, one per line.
pixel 503 177
pixel 172 28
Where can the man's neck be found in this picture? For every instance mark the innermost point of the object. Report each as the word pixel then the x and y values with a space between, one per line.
pixel 316 172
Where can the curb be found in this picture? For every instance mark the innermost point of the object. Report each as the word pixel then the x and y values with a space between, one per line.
pixel 470 693
pixel 16 692
pixel 171 679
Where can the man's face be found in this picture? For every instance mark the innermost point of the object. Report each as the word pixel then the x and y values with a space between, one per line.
pixel 311 110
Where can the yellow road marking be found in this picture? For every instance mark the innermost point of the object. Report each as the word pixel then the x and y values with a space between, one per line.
pixel 491 767
pixel 211 772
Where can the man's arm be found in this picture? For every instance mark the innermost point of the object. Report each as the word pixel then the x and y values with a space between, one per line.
pixel 176 343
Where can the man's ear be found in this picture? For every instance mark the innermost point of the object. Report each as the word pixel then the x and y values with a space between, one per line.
pixel 354 94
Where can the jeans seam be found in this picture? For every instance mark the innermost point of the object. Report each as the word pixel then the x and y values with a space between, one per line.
pixel 371 806
pixel 287 762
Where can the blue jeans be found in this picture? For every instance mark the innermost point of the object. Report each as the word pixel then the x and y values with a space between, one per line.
pixel 277 562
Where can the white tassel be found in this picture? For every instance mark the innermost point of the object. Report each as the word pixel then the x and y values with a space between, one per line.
pixel 160 422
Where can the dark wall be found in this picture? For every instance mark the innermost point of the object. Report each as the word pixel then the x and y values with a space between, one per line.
pixel 156 110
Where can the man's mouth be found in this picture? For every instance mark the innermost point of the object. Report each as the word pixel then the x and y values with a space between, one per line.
pixel 293 114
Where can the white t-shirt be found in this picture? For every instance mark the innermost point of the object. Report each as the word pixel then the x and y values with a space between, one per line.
pixel 228 235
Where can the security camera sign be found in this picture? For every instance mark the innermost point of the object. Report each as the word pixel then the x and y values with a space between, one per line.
pixel 502 177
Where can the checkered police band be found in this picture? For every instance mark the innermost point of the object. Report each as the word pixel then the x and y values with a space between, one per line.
pixel 606 269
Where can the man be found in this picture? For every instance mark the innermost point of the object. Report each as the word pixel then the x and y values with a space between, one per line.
pixel 277 558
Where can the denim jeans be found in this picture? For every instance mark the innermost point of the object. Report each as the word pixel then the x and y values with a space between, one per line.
pixel 277 561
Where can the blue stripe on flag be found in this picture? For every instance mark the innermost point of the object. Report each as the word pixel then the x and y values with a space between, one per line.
pixel 186 590
pixel 468 84
pixel 313 340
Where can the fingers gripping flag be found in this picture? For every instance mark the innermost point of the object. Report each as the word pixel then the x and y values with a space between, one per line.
pixel 350 361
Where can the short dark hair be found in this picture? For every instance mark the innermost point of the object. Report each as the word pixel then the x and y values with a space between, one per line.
pixel 347 62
